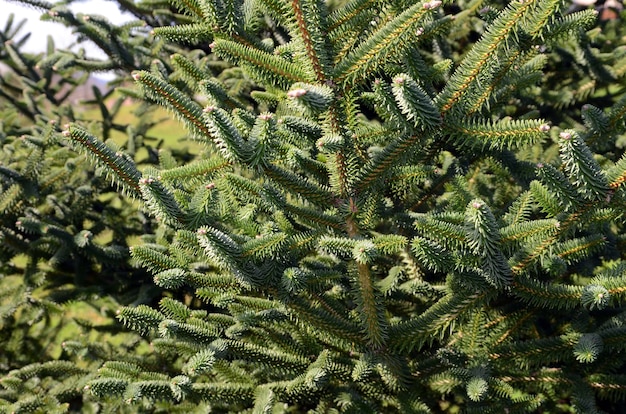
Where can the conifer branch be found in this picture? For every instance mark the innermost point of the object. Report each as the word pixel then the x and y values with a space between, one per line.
pixel 609 386
pixel 164 93
pixel 372 316
pixel 415 104
pixel 578 162
pixel 616 176
pixel 480 57
pixel 152 258
pixel 10 199
pixel 617 115
pixel 160 201
pixel 389 40
pixel 484 238
pixel 266 356
pixel 223 251
pixel 352 10
pixel 542 18
pixel 204 168
pixel 141 318
pixel 558 185
pixel 310 30
pixel 299 186
pixel 540 247
pixel 308 216
pixel 377 167
pixel 431 255
pixel 191 6
pixel 189 33
pixel 226 136
pixel 267 247
pixel 281 72
pixel 118 167
pixel 522 76
pixel 227 393
pixel 213 89
pixel 543 351
pixel 542 295
pixel 410 335
pixel 505 134
pixel 326 322
pixel 340 177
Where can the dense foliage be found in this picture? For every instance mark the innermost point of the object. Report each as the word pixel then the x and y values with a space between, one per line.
pixel 400 207
pixel 64 230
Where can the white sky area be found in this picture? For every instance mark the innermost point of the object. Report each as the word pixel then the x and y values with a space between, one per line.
pixel 63 36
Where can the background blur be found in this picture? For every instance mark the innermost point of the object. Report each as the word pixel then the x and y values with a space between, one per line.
pixel 63 37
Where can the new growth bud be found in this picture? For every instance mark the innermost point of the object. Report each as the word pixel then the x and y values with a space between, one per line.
pixel 296 93
pixel 433 4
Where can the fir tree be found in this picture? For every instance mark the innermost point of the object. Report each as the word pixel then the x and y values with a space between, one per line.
pixel 402 207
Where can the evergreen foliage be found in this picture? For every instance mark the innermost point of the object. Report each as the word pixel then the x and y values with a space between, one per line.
pixel 410 207
pixel 64 231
